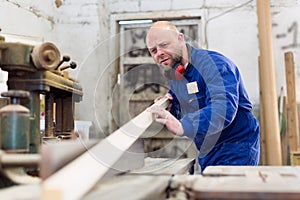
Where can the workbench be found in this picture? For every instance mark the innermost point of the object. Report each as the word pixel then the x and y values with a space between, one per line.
pixel 148 182
pixel 156 173
pixel 216 182
pixel 171 179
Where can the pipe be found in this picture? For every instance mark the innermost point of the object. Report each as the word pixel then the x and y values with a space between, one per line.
pixel 20 160
pixel 12 167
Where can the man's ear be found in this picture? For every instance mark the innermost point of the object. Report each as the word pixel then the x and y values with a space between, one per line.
pixel 180 37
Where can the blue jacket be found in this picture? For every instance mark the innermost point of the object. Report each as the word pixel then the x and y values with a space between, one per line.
pixel 219 116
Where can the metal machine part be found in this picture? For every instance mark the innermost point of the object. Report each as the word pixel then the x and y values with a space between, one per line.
pixel 37 69
pixel 15 121
pixel 13 168
pixel 19 160
pixel 45 56
pixel 34 71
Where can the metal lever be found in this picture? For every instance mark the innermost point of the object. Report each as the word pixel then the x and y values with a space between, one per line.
pixel 72 65
pixel 65 58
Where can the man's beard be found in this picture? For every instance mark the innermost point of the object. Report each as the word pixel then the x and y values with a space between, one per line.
pixel 175 59
pixel 170 73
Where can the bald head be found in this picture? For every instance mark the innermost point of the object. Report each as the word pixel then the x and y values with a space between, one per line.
pixel 164 25
pixel 161 29
pixel 165 44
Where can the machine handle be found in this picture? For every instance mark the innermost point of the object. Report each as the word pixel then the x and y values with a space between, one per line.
pixel 65 58
pixel 72 65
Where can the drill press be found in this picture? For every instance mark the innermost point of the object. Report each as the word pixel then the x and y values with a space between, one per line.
pixel 38 70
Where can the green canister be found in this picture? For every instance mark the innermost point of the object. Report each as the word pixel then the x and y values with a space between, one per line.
pixel 15 123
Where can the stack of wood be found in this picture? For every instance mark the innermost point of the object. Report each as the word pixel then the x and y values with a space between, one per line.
pixel 288 119
pixel 277 146
pixel 292 131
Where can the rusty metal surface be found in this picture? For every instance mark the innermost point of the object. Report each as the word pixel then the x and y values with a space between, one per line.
pixel 16 56
pixel 49 121
pixel 44 81
pixel 36 69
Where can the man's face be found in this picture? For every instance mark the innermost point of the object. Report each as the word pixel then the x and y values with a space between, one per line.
pixel 164 46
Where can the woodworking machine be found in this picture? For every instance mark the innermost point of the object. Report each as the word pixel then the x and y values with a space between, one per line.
pixel 56 167
pixel 34 71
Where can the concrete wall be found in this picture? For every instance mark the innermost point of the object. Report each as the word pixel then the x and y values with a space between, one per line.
pixel 234 31
pixel 230 27
pixel 77 28
pixel 81 29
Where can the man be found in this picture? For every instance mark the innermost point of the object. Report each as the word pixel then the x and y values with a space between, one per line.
pixel 209 102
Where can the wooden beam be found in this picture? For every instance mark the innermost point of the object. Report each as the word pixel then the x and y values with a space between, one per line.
pixel 284 134
pixel 79 176
pixel 268 84
pixel 292 113
pixel 263 152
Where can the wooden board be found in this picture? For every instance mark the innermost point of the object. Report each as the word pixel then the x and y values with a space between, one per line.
pixel 32 192
pixel 292 113
pixel 130 187
pixel 242 170
pixel 246 182
pixel 55 155
pixel 268 84
pixel 58 154
pixel 167 166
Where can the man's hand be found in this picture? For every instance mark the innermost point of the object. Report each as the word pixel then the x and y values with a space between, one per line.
pixel 169 96
pixel 166 118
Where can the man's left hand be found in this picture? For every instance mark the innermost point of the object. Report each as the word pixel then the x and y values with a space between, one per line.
pixel 166 118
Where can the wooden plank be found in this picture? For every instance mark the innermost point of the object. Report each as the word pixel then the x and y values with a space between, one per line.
pixel 240 170
pixel 263 150
pixel 31 191
pixel 292 114
pixel 55 155
pixel 268 84
pixel 78 177
pixel 167 166
pixel 284 134
pixel 241 188
pixel 130 187
pixel 247 182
